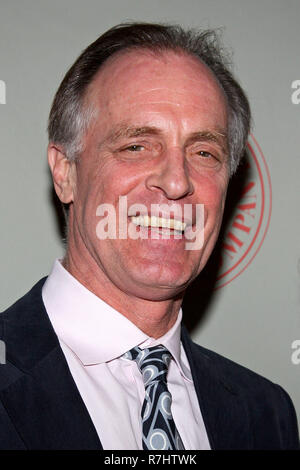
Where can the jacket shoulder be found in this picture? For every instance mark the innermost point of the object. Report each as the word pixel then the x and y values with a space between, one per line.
pixel 239 376
pixel 266 400
pixel 25 332
pixel 23 303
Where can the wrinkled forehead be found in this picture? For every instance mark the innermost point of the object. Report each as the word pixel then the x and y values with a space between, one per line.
pixel 141 75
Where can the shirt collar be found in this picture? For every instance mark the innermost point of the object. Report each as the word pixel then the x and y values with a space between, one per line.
pixel 94 330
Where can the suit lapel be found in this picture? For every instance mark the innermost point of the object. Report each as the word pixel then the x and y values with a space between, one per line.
pixel 44 402
pixel 223 409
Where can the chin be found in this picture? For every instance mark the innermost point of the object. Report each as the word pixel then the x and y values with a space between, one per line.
pixel 158 284
pixel 158 293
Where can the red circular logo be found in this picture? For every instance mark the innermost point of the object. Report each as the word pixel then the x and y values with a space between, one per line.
pixel 247 215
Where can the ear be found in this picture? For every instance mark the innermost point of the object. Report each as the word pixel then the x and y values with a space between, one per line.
pixel 63 173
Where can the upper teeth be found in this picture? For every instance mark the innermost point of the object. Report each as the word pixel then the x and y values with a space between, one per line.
pixel 153 221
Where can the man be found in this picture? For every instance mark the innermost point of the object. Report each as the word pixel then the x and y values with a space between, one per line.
pixel 144 133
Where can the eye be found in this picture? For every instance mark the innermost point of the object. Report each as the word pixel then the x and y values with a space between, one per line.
pixel 201 157
pixel 134 148
pixel 204 154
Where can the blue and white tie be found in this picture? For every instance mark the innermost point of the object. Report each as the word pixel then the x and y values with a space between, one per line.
pixel 158 426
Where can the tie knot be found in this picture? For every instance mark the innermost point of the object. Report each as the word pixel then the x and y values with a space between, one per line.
pixel 153 362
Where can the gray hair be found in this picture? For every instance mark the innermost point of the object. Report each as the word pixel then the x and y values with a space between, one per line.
pixel 70 117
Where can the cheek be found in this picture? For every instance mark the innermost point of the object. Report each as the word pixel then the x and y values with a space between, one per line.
pixel 103 183
pixel 212 194
pixel 120 178
pixel 213 197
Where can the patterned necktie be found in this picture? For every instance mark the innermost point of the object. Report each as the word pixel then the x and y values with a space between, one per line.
pixel 159 430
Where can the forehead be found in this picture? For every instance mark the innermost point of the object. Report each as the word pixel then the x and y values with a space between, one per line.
pixel 135 78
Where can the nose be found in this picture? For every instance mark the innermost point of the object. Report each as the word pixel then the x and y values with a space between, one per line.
pixel 171 176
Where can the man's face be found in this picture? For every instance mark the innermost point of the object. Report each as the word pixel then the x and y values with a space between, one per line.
pixel 159 138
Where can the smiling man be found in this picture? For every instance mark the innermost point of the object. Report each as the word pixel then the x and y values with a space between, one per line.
pixel 97 355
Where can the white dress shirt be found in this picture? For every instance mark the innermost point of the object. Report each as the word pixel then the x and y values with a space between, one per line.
pixel 93 337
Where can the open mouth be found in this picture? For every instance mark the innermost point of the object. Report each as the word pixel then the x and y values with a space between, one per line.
pixel 161 223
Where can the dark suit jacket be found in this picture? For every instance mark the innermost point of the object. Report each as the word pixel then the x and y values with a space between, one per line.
pixel 41 408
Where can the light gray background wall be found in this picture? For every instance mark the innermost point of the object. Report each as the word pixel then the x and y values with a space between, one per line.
pixel 254 319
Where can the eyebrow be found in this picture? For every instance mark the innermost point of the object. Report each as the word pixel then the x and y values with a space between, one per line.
pixel 219 137
pixel 124 131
